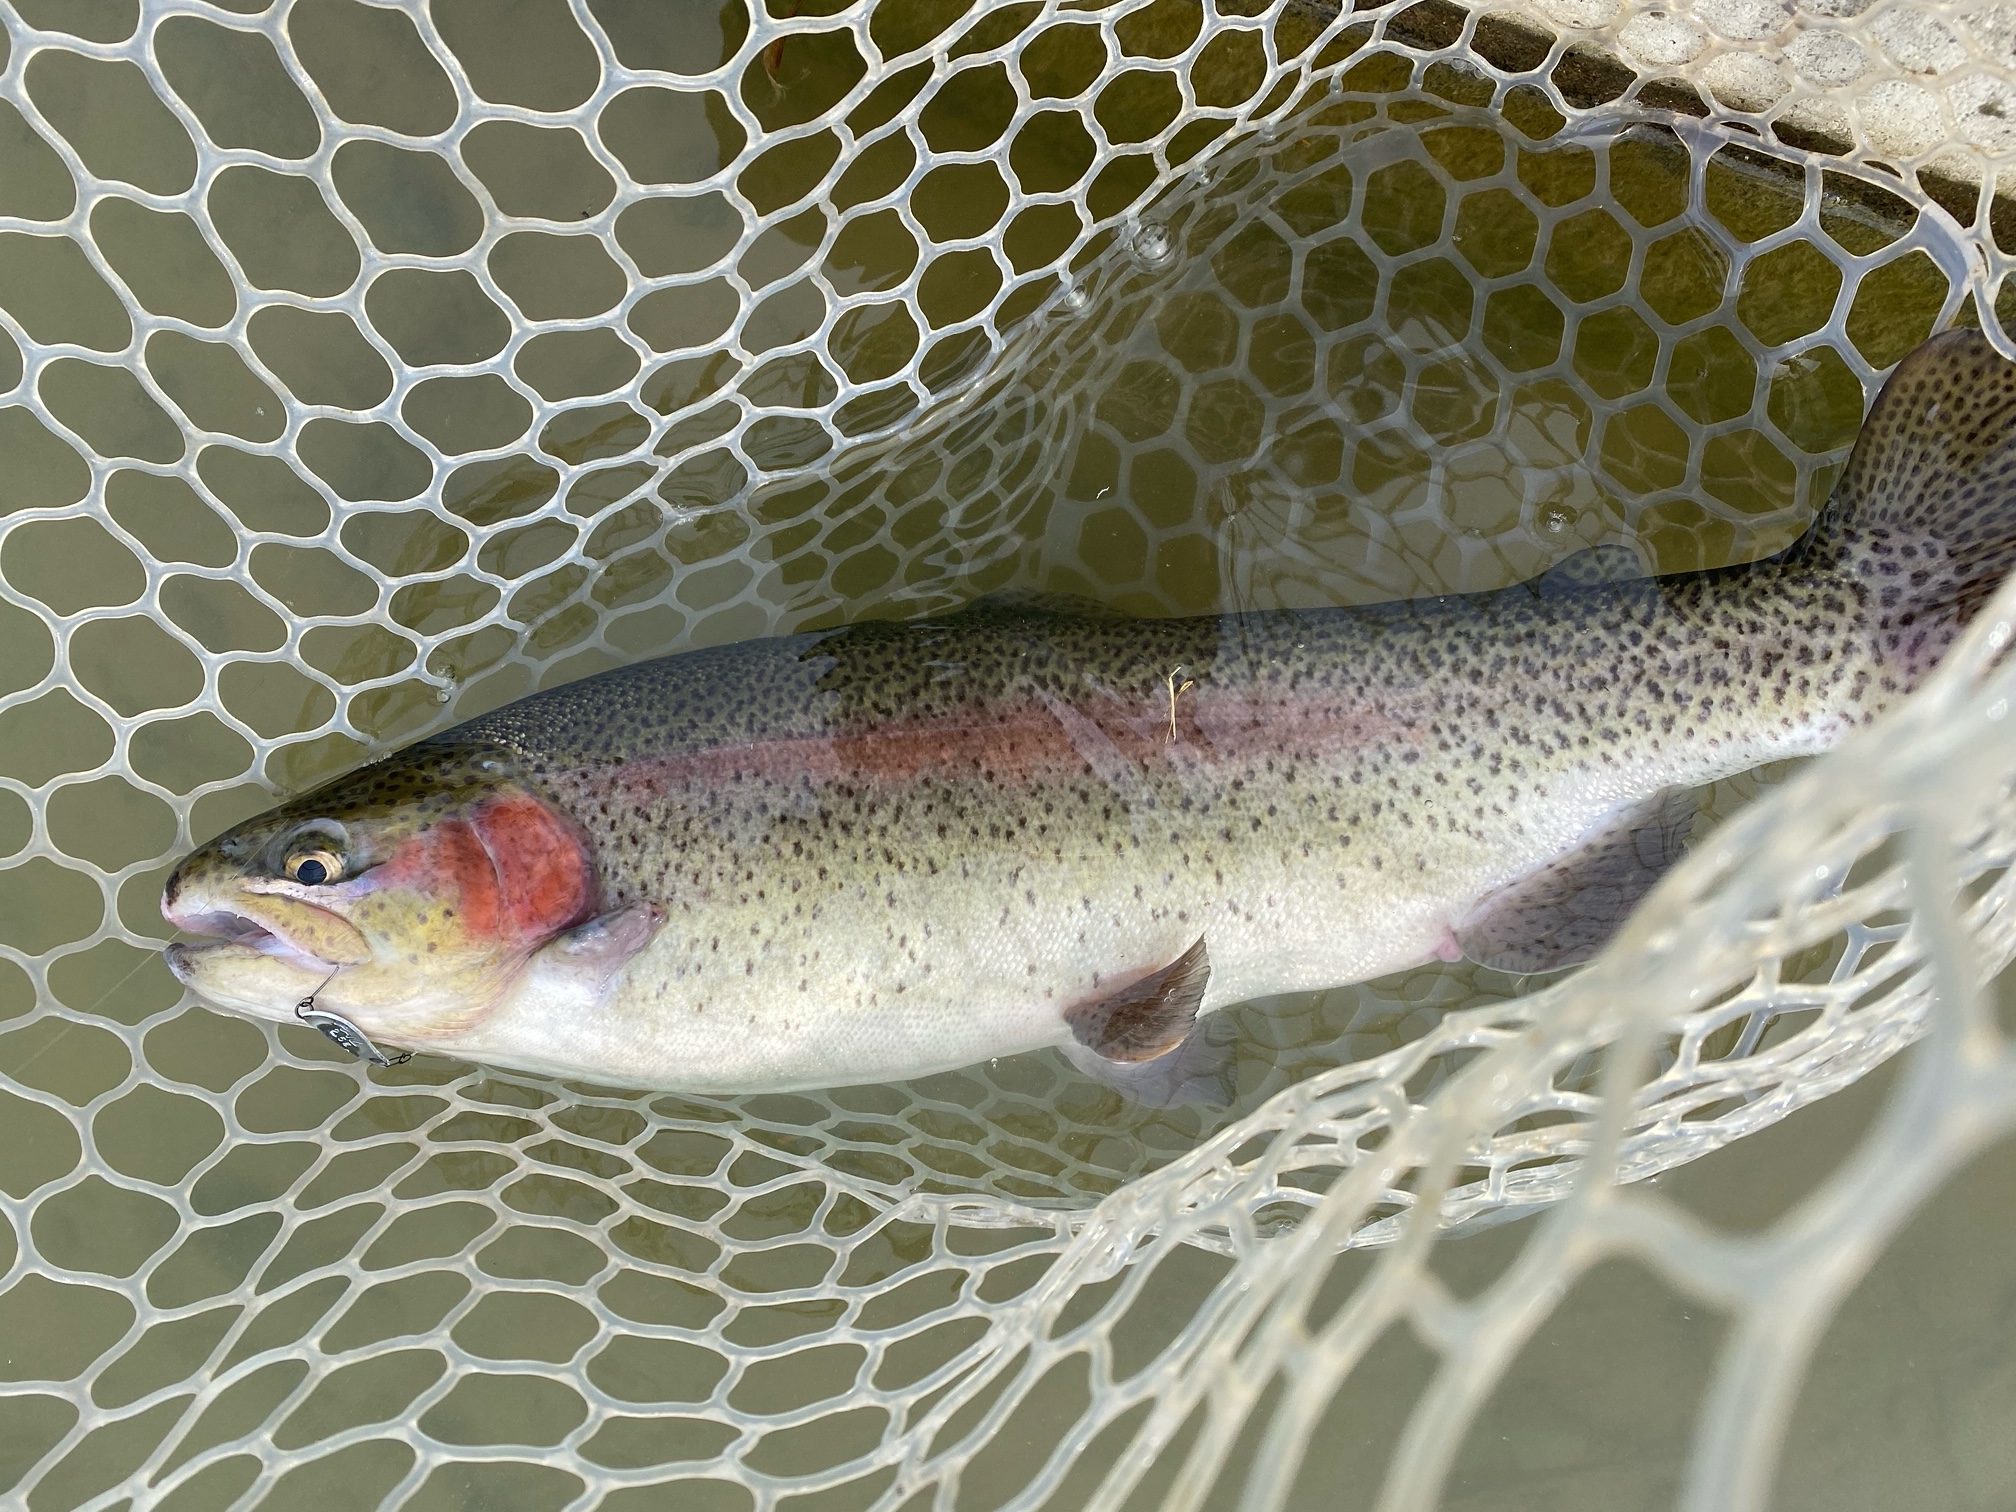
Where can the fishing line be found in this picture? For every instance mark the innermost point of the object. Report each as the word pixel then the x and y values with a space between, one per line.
pixel 98 1002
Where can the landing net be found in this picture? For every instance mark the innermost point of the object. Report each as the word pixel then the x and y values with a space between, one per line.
pixel 365 365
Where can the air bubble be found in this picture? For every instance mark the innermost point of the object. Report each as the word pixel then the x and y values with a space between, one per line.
pixel 1107 1261
pixel 1556 519
pixel 1152 245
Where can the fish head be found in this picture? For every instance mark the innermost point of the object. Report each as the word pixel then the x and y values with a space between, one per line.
pixel 406 896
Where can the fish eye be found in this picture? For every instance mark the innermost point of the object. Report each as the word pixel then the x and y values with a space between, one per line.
pixel 314 867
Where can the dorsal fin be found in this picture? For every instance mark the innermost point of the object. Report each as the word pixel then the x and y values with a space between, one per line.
pixel 1027 602
pixel 1608 563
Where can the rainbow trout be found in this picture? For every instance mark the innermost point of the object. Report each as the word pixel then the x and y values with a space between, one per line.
pixel 899 848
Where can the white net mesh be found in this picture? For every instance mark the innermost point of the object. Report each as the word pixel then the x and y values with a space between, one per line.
pixel 360 360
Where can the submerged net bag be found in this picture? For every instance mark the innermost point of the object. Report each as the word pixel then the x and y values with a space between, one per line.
pixel 363 366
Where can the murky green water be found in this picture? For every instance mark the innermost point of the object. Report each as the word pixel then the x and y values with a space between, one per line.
pixel 1416 343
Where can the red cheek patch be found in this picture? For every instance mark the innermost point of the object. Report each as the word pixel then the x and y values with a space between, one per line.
pixel 543 880
pixel 449 862
pixel 514 871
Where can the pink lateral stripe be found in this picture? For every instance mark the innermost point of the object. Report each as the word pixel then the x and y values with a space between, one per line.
pixel 1033 743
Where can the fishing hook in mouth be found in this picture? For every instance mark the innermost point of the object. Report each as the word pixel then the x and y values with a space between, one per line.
pixel 343 1034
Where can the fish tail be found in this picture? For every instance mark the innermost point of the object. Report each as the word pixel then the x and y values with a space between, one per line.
pixel 1925 515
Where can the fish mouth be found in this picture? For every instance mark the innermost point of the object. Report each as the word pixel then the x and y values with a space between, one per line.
pixel 285 929
pixel 220 930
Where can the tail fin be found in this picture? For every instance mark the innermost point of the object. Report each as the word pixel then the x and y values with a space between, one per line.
pixel 1926 512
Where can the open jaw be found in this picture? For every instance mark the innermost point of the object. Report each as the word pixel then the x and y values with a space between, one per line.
pixel 227 928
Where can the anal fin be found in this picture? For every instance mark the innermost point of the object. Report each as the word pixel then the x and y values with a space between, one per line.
pixel 1564 913
pixel 1144 1038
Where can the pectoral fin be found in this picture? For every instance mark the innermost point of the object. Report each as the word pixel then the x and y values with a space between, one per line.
pixel 1562 915
pixel 1144 1038
pixel 590 955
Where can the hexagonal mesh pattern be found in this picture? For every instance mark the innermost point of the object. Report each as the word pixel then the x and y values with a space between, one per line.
pixel 363 365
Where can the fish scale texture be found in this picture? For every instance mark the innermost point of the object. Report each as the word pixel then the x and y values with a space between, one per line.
pixel 363 367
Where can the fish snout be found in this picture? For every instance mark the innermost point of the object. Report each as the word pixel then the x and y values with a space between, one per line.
pixel 178 892
pixel 193 893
